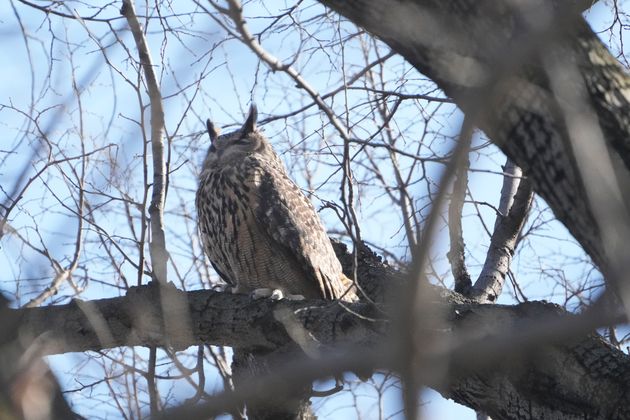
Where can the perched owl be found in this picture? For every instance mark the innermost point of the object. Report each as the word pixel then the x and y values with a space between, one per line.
pixel 260 232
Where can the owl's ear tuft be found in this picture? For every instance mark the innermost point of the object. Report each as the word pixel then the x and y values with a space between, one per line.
pixel 250 123
pixel 212 130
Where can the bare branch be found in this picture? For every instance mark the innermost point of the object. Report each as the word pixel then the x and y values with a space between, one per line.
pixel 457 252
pixel 515 202
pixel 159 255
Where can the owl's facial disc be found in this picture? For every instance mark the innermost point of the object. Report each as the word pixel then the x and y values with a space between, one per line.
pixel 229 148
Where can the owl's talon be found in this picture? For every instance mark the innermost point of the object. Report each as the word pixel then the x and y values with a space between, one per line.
pixel 262 293
pixel 223 288
pixel 276 294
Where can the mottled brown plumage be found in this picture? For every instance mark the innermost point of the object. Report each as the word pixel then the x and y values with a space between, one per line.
pixel 257 227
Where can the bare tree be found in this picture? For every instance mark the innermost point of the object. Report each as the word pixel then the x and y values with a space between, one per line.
pixel 421 129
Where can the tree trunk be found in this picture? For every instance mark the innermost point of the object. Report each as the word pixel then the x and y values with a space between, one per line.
pixel 247 365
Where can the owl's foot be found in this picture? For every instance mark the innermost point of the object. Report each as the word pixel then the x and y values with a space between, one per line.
pixel 223 288
pixel 261 293
pixel 274 294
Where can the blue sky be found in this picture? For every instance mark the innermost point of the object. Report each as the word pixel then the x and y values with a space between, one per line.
pixel 232 78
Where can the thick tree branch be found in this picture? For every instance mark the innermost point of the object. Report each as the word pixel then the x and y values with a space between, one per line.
pixel 531 360
pixel 220 319
pixel 496 383
pixel 27 387
pixel 516 199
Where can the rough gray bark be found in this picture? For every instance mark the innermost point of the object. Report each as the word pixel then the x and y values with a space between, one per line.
pixel 497 365
pixel 221 319
pixel 23 375
pixel 457 252
pixel 516 199
pixel 518 384
pixel 489 58
pixel 294 404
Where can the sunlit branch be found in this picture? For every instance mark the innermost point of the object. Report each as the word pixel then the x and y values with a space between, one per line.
pixel 515 202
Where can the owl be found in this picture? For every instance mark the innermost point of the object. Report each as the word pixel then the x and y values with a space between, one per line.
pixel 259 231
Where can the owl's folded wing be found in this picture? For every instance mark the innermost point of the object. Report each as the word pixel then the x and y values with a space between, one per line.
pixel 291 222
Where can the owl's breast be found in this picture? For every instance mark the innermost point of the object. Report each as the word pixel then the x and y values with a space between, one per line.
pixel 220 214
pixel 234 240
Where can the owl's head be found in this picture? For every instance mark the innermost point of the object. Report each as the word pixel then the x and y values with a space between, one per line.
pixel 229 149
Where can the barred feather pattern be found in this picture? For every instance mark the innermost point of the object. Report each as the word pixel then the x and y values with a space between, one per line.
pixel 257 227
